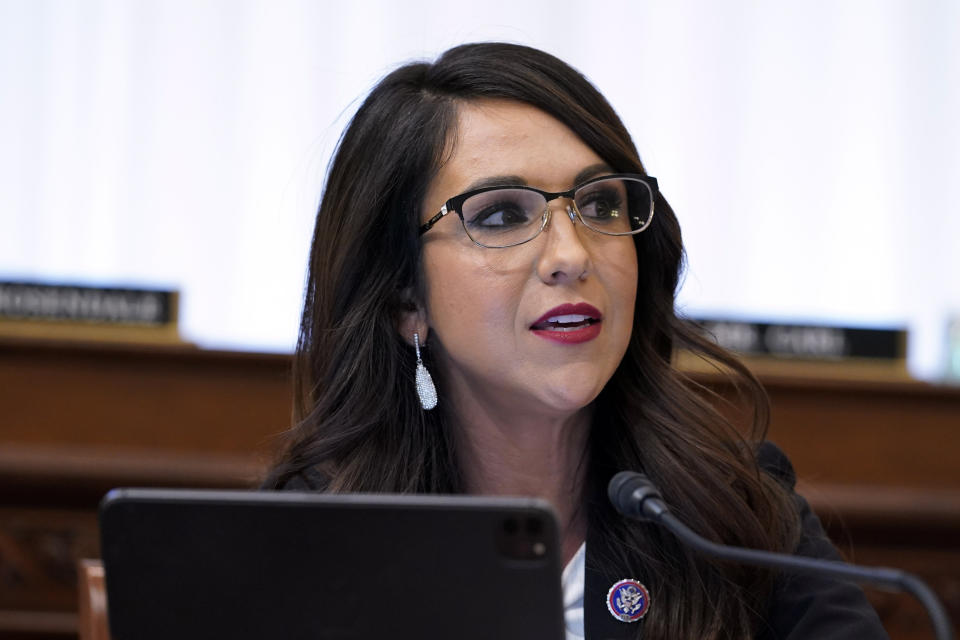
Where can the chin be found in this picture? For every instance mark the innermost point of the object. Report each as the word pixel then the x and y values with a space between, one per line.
pixel 568 399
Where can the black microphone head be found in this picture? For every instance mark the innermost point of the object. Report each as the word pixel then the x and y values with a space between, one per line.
pixel 628 490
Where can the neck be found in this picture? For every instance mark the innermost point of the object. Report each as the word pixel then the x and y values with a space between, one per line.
pixel 515 455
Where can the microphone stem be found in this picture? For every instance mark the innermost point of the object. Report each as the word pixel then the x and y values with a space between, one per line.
pixel 881 577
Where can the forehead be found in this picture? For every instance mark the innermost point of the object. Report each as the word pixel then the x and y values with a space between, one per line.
pixel 504 138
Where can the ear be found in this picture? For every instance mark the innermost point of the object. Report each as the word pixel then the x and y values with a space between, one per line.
pixel 412 318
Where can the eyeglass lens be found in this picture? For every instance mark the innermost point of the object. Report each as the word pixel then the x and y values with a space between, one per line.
pixel 509 216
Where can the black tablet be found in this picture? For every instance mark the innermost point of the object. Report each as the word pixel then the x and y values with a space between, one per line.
pixel 184 564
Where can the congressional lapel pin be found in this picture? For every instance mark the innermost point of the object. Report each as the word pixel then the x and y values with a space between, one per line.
pixel 628 600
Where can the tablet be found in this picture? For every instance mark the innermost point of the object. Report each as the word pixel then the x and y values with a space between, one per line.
pixel 184 564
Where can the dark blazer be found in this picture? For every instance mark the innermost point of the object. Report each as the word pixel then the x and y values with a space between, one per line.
pixel 802 607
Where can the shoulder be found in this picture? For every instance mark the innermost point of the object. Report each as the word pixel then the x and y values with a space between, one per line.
pixel 774 461
pixel 306 480
pixel 806 606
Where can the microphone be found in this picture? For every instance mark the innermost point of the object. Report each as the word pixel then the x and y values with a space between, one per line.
pixel 635 496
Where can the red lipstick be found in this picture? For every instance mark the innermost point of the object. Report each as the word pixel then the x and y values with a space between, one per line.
pixel 569 323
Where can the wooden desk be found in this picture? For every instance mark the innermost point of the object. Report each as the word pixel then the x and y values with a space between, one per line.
pixel 880 461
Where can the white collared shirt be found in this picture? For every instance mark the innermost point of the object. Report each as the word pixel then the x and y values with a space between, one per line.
pixel 572 581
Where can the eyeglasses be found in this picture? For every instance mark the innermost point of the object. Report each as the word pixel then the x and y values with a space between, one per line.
pixel 500 217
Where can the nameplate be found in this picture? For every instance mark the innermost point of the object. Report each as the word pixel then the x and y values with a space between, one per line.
pixel 817 342
pixel 24 301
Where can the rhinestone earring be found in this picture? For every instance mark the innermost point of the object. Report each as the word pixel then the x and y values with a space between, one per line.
pixel 425 388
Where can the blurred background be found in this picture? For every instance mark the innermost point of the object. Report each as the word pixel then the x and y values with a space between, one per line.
pixel 811 149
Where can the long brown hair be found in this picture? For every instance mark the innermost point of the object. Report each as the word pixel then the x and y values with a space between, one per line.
pixel 358 423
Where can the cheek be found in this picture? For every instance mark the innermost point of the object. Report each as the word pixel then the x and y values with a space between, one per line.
pixel 630 277
pixel 470 300
pixel 620 267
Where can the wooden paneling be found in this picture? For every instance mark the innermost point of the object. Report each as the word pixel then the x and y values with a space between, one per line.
pixel 77 420
pixel 172 399
pixel 890 434
pixel 880 461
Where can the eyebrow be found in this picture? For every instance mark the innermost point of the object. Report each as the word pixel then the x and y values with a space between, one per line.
pixel 515 181
pixel 592 171
pixel 496 181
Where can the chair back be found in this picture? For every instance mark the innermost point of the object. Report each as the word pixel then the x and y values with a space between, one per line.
pixel 92 592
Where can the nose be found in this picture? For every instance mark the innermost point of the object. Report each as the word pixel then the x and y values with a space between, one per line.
pixel 565 257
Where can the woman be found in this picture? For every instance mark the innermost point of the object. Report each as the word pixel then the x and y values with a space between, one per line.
pixel 487 223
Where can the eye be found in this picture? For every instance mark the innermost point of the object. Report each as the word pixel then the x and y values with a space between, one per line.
pixel 501 215
pixel 601 205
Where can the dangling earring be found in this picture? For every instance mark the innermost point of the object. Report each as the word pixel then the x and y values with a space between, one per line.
pixel 425 388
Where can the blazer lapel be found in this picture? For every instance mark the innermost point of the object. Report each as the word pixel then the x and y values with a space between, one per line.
pixel 598 622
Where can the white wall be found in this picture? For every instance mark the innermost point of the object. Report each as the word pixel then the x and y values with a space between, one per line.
pixel 811 149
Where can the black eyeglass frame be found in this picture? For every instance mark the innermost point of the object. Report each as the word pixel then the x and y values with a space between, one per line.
pixel 456 203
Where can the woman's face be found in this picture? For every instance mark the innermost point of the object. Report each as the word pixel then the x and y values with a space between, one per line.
pixel 487 309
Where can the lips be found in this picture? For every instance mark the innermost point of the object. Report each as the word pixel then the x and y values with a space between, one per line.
pixel 569 323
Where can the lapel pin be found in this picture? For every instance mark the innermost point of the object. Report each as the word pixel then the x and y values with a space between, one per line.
pixel 628 600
